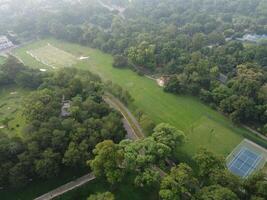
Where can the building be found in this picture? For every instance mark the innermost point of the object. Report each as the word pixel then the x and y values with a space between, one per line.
pixel 65 109
pixel 5 43
pixel 222 78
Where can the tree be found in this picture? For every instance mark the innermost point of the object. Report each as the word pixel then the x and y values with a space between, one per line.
pixel 255 185
pixel 147 124
pixel 216 192
pixel 29 79
pixel 120 61
pixel 11 68
pixel 198 41
pixel 76 154
pixel 102 196
pixel 207 164
pixel 168 135
pixel 142 154
pixel 148 178
pixel 48 165
pixel 41 105
pixel 108 161
pixel 143 55
pixel 17 176
pixel 174 85
pixel 240 108
pixel 228 180
pixel 180 184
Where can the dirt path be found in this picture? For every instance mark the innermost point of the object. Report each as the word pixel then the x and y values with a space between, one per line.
pixel 67 187
pixel 133 125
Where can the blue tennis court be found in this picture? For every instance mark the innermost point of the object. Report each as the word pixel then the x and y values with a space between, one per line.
pixel 244 162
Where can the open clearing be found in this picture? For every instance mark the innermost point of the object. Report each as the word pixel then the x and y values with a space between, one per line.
pixel 203 126
pixel 10 108
pixel 52 56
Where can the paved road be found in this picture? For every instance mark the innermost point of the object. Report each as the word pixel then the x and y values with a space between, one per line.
pixel 67 187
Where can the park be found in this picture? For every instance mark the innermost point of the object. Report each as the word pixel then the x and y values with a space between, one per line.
pixel 202 126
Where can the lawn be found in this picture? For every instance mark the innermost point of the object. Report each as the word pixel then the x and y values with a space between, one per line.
pixel 10 108
pixel 2 60
pixel 203 126
pixel 52 56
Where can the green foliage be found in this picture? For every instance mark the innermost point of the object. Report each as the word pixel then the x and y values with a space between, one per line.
pixel 52 142
pixel 148 178
pixel 168 135
pixel 208 163
pixel 48 165
pixel 108 161
pixel 217 193
pixel 146 123
pixel 255 186
pixel 179 184
pixel 102 196
pixel 120 61
pixel 42 105
pixel 139 157
pixel 119 92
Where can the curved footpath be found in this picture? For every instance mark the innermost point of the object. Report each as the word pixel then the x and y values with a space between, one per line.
pixel 134 132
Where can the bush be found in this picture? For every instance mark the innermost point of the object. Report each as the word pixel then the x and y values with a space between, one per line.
pixel 140 73
pixel 120 61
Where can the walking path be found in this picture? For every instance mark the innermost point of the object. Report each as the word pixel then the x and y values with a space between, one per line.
pixel 134 132
pixel 255 132
pixel 134 126
pixel 67 187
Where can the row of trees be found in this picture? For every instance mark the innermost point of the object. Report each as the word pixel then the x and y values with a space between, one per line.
pixel 51 142
pixel 14 72
pixel 148 159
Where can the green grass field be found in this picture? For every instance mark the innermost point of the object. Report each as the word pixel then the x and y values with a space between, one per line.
pixel 203 126
pixel 2 60
pixel 10 108
pixel 46 55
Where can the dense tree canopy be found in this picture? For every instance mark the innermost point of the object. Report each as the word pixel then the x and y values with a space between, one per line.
pixel 50 140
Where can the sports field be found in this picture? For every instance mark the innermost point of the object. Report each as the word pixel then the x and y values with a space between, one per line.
pixel 10 108
pixel 246 158
pixel 203 126
pixel 52 56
